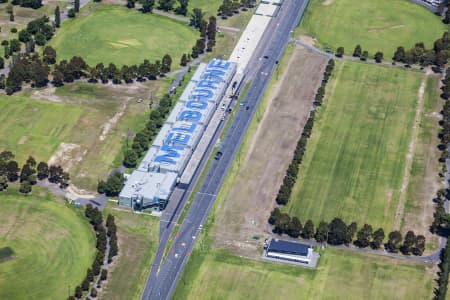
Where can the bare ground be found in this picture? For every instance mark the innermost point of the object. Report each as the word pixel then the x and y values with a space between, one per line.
pixel 421 215
pixel 247 206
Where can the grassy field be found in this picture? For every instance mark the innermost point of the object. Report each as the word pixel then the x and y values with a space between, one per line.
pixel 116 34
pixel 380 25
pixel 340 275
pixel 209 7
pixel 53 243
pixel 355 159
pixel 32 127
pixel 138 240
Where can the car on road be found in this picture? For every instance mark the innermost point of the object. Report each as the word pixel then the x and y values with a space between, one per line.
pixel 218 155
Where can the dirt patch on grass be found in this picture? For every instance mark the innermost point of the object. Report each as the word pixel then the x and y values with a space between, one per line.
pixel 410 155
pixel 247 206
pixel 307 40
pixel 426 182
pixel 328 2
pixel 22 140
pixel 112 122
pixel 46 94
pixel 386 28
pixel 67 155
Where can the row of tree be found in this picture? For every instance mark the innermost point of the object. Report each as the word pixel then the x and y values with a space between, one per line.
pixel 144 137
pixel 30 68
pixel 231 7
pixel 363 55
pixel 96 219
pixel 35 4
pixel 290 178
pixel 440 292
pixel 338 233
pixel 30 172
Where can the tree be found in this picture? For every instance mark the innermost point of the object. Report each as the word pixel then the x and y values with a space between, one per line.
pixel 377 238
pixel 340 52
pixel 93 293
pixel 308 230
pixel 11 17
pixel 363 236
pixel 131 3
pixel 378 57
pixel 419 246
pixel 226 9
pixel 26 172
pixel 12 171
pixel 14 45
pixel 184 60
pixel 182 8
pixel 76 6
pixel 352 228
pixel 114 185
pixel 2 64
pixel 25 187
pixel 104 274
pixel 49 55
pixel 130 159
pixel 166 63
pixel 78 292
pixel 295 228
pixel 274 215
pixel 85 284
pixel 408 243
pixel 166 5
pixel 322 232
pixel 394 240
pixel 57 17
pixel 196 18
pixel 147 6
pixel 71 13
pixel 101 187
pixel 89 275
pixel 399 55
pixel 3 183
pixel 282 224
pixel 338 233
pixel 364 55
pixel 357 52
pixel 24 36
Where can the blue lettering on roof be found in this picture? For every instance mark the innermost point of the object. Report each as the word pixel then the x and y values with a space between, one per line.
pixel 207 84
pixel 177 138
pixel 189 129
pixel 197 104
pixel 202 94
pixel 171 154
pixel 214 75
pixel 190 115
pixel 220 64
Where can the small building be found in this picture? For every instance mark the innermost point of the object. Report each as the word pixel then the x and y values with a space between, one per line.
pixel 289 251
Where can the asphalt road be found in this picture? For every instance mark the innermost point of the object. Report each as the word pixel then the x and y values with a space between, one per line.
pixel 162 284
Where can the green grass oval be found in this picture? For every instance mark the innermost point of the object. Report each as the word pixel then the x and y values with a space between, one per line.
pixel 380 25
pixel 116 34
pixel 53 244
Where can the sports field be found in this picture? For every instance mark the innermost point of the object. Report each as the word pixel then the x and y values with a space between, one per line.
pixel 116 34
pixel 33 127
pixel 380 25
pixel 138 240
pixel 340 275
pixel 54 245
pixel 355 161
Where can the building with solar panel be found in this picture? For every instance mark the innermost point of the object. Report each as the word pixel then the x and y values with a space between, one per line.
pixel 289 251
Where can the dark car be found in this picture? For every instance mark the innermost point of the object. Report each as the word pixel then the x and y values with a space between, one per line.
pixel 218 155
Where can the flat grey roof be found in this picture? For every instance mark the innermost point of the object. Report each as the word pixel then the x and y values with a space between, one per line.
pixel 288 247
